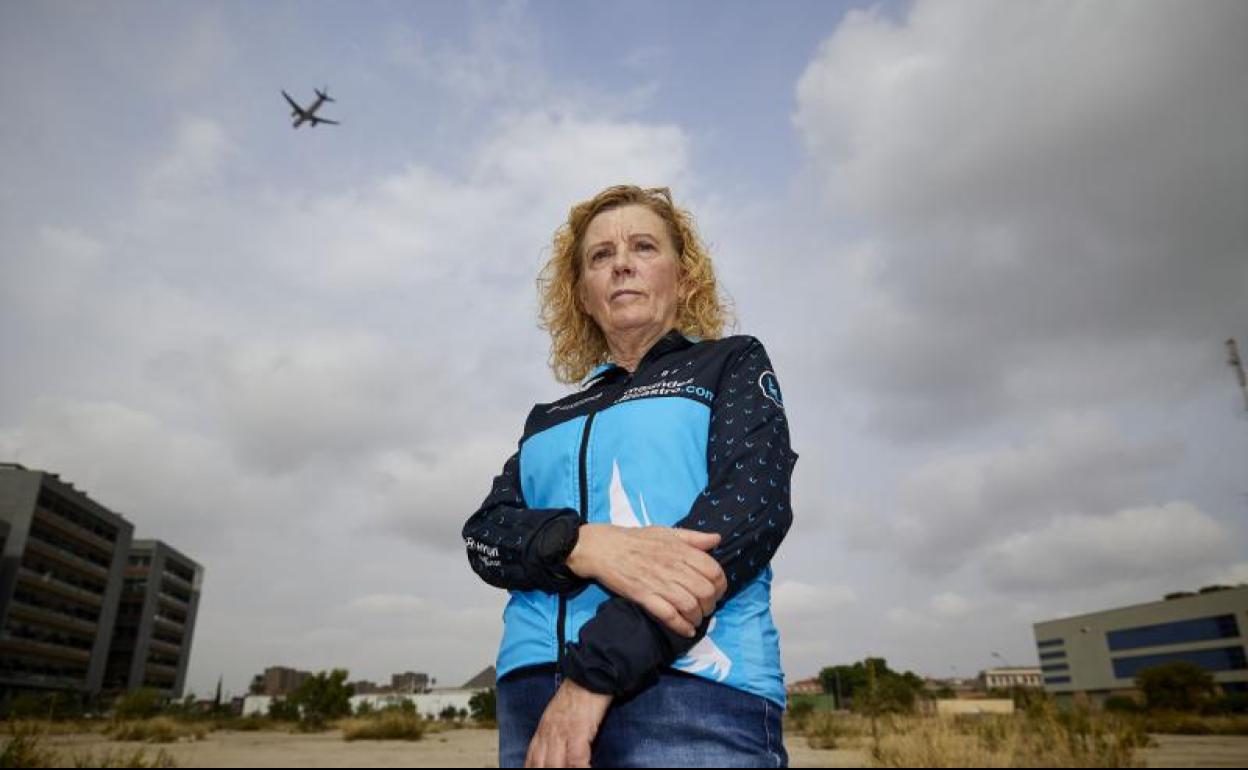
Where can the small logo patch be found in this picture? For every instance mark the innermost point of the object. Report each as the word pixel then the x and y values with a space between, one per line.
pixel 770 386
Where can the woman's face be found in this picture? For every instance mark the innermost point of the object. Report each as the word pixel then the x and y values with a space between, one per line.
pixel 630 271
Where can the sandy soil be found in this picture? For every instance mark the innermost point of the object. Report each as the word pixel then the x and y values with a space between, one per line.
pixel 478 748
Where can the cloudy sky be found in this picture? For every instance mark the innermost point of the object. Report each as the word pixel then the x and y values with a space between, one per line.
pixel 993 249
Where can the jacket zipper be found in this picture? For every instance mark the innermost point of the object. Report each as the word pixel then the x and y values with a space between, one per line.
pixel 584 479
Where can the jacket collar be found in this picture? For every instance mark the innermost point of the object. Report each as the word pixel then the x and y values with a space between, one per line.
pixel 669 342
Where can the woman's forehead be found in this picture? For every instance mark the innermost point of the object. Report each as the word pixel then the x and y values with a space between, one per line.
pixel 625 221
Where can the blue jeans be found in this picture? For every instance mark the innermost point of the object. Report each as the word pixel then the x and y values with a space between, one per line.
pixel 680 721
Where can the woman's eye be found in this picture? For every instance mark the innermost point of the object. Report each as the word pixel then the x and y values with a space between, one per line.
pixel 598 254
pixel 644 245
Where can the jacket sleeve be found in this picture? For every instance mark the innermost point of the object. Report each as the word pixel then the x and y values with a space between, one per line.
pixel 504 538
pixel 746 501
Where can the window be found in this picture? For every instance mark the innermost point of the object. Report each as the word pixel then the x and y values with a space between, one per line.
pixel 1221 659
pixel 1051 643
pixel 1053 655
pixel 1057 680
pixel 1055 667
pixel 1180 632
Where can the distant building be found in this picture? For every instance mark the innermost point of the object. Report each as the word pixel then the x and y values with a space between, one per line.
pixel 1005 678
pixel 1099 654
pixel 811 686
pixel 364 687
pixel 60 581
pixel 409 682
pixel 485 680
pixel 280 681
pixel 155 620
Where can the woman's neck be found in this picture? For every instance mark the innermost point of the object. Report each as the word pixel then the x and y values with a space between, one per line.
pixel 629 347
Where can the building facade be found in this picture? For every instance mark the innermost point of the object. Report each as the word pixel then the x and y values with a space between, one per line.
pixel 409 682
pixel 60 582
pixel 155 624
pixel 1099 654
pixel 1005 678
pixel 280 680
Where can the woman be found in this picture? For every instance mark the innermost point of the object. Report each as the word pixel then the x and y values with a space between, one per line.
pixel 635 524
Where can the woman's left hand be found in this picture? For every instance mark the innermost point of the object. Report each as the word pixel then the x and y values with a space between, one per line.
pixel 566 733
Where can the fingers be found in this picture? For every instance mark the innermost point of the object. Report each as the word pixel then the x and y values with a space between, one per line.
pixel 702 589
pixel 701 561
pixel 663 611
pixel 709 569
pixel 703 541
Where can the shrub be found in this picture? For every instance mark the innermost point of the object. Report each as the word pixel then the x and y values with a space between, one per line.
pixel 140 704
pixel 156 730
pixel 1122 704
pixel 1176 686
pixel 384 726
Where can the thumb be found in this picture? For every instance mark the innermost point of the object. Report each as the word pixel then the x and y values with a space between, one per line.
pixel 702 540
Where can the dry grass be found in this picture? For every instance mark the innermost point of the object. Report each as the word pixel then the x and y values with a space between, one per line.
pixel 157 730
pixel 50 726
pixel 24 749
pixel 385 726
pixel 1041 737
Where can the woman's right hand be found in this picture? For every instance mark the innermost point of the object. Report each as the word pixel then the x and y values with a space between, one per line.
pixel 664 569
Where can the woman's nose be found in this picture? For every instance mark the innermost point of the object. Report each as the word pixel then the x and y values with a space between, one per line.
pixel 622 263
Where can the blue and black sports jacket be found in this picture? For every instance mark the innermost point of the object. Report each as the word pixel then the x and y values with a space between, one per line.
pixel 695 437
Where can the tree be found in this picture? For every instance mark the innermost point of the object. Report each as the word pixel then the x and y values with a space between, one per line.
pixel 484 706
pixel 323 697
pixel 284 709
pixel 892 691
pixel 1177 686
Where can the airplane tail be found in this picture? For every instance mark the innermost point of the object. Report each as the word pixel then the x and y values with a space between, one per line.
pixel 324 94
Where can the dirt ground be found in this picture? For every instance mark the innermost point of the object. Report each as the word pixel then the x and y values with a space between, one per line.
pixel 478 748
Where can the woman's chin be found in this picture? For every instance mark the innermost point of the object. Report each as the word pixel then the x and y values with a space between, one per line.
pixel 627 320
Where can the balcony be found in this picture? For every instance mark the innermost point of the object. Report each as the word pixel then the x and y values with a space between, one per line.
pixel 51 617
pixel 174 602
pixel 168 622
pixel 49 584
pixel 67 558
pixel 177 580
pixel 76 531
pixel 156 645
pixel 30 647
pixel 46 681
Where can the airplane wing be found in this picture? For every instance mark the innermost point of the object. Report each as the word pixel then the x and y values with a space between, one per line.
pixel 316 120
pixel 296 107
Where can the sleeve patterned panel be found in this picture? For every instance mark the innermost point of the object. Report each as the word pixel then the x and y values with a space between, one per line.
pixel 749 466
pixel 501 537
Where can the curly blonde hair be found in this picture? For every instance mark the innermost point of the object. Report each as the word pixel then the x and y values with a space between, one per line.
pixel 577 344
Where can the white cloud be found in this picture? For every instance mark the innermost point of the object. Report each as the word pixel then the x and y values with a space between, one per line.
pixel 953 504
pixel 1236 574
pixel 794 598
pixel 1082 551
pixel 908 619
pixel 387 603
pixel 950 605
pixel 193 162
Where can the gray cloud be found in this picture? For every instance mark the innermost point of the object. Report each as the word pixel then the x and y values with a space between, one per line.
pixel 1054 192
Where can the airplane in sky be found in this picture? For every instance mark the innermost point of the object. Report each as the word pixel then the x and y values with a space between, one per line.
pixel 302 116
